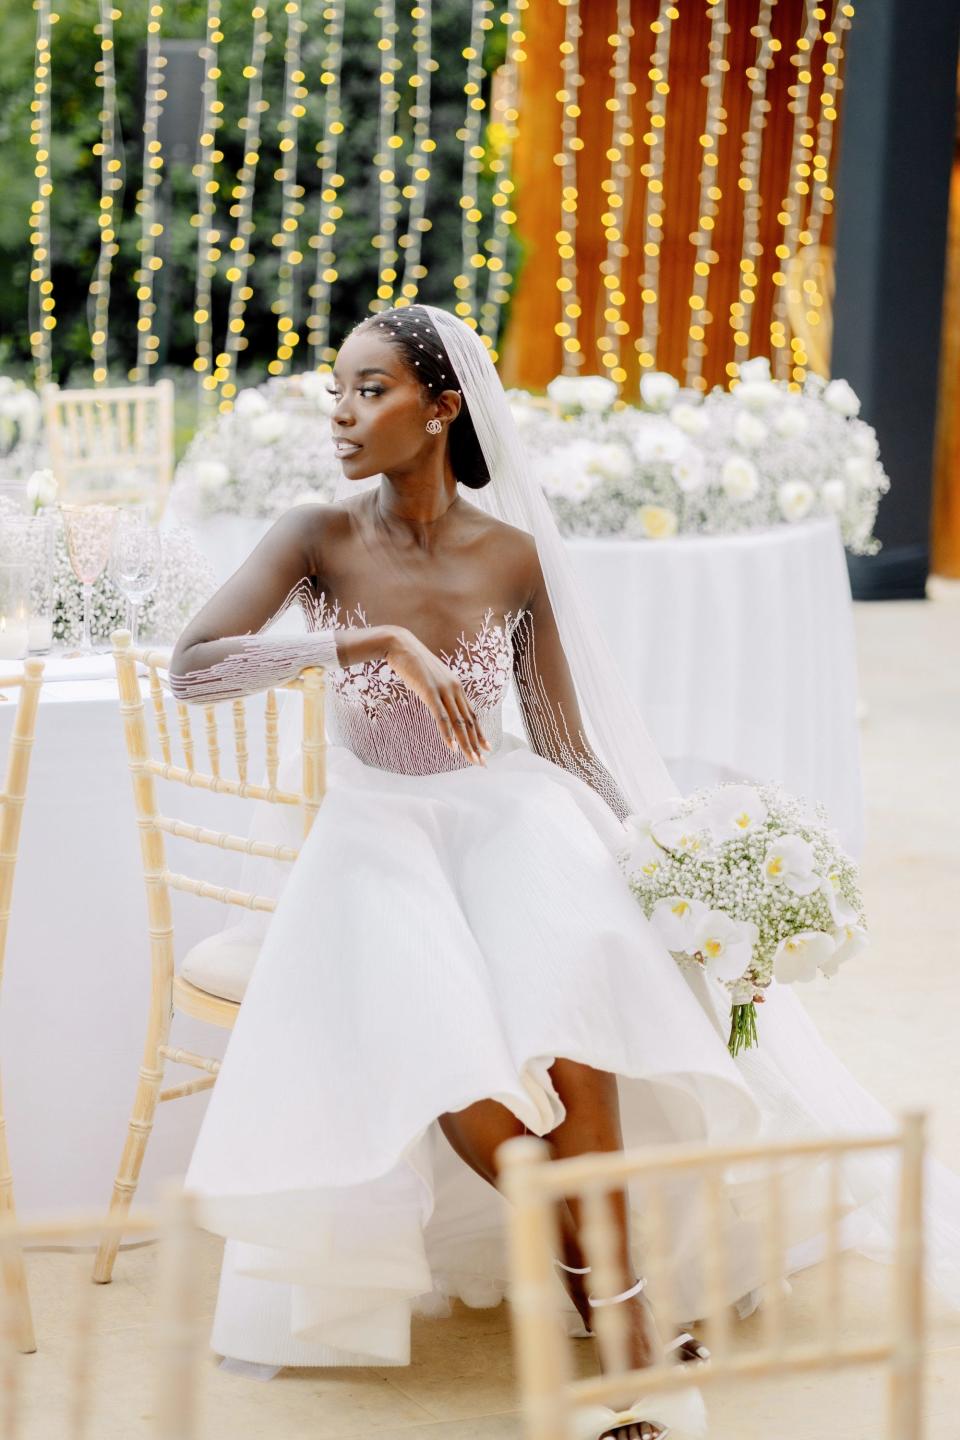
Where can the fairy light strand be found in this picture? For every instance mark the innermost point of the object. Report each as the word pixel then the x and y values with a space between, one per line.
pixel 151 227
pixel 43 319
pixel 710 196
pixel 418 161
pixel 111 185
pixel 208 187
pixel 751 246
pixel 652 170
pixel 241 210
pixel 566 160
pixel 324 240
pixel 287 238
pixel 614 217
pixel 795 198
pixel 472 258
pixel 504 128
pixel 386 158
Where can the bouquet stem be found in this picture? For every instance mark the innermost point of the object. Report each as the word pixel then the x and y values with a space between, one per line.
pixel 743 1028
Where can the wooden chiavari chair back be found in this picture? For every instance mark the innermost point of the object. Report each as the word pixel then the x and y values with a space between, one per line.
pixel 112 445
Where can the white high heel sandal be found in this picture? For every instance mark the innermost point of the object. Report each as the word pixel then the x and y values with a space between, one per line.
pixel 579 1331
pixel 680 1414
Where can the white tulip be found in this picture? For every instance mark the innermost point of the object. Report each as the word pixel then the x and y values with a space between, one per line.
pixel 758 394
pixel 738 810
pixel 689 418
pixel 740 478
pixel 748 431
pixel 315 387
pixel 675 920
pixel 266 429
pixel 798 956
pixel 658 389
pixel 842 399
pixel 795 498
pixel 849 940
pixel 689 472
pixel 657 522
pixel 210 475
pixel 41 488
pixel 725 944
pixel 790 422
pixel 790 861
pixel 249 403
pixel 756 369
pixel 834 494
pixel 654 438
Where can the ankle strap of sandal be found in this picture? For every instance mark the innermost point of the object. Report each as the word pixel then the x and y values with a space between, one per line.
pixel 624 1295
pixel 573 1269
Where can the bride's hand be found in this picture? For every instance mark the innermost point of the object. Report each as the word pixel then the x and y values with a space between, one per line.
pixel 440 691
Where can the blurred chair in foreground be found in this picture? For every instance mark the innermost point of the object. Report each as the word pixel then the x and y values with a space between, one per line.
pixel 114 446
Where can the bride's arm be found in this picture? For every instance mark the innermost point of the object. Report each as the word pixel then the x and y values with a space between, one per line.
pixel 548 698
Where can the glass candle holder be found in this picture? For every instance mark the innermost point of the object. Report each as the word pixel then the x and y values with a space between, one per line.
pixel 41 551
pixel 14 588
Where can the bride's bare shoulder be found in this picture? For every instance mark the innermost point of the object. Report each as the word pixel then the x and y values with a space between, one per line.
pixel 514 549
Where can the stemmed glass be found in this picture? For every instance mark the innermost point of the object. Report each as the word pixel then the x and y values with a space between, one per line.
pixel 89 530
pixel 135 559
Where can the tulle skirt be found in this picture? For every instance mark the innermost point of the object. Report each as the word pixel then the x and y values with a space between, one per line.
pixel 442 940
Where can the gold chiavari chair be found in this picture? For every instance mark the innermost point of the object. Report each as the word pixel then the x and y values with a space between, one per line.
pixel 172 992
pixel 112 445
pixel 173 1346
pixel 11 815
pixel 558 1408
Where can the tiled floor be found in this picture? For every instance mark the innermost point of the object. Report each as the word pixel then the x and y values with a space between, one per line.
pixel 893 1019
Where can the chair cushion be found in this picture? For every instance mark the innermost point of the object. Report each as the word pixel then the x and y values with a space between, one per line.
pixel 223 963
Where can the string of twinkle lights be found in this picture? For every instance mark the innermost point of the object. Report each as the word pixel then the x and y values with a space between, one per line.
pixel 615 196
pixel 792 356
pixel 504 129
pixel 751 154
pixel 287 238
pixel 710 196
pixel 566 158
pixel 652 169
pixel 472 257
pixel 43 318
pixel 151 227
pixel 111 186
pixel 386 158
pixel 418 161
pixel 241 210
pixel 324 241
pixel 208 188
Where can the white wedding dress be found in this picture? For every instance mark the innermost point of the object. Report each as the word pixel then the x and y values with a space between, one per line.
pixel 445 934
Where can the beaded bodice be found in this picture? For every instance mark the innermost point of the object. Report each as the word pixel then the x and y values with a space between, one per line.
pixel 373 713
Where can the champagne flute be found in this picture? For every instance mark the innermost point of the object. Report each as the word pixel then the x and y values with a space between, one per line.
pixel 89 530
pixel 136 555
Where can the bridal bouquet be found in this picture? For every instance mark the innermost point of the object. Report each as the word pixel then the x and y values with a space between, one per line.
pixel 750 884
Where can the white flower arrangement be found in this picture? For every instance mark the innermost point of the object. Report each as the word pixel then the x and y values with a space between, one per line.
pixel 753 457
pixel 272 451
pixel 750 884
pixel 21 418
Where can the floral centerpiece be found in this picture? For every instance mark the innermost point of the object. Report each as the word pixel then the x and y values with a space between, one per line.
pixel 751 885
pixel 20 428
pixel 272 451
pixel 748 458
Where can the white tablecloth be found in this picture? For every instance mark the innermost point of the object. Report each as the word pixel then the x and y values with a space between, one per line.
pixel 739 651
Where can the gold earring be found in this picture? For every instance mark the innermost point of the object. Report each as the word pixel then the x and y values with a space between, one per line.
pixel 434 427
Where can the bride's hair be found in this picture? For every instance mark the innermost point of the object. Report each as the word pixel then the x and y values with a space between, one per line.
pixel 425 356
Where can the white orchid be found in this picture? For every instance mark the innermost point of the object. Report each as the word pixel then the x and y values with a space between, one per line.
pixel 849 940
pixel 834 495
pixel 725 944
pixel 790 861
pixel 658 389
pixel 41 488
pixel 690 472
pixel 790 423
pixel 675 920
pixel 740 478
pixel 795 499
pixel 689 418
pixel 842 398
pixel 738 810
pixel 682 833
pixel 798 957
pixel 654 438
pixel 644 852
pixel 748 431
pixel 657 522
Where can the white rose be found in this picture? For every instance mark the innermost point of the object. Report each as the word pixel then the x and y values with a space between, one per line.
pixel 848 940
pixel 725 944
pixel 41 488
pixel 754 370
pixel 795 498
pixel 834 493
pixel 798 956
pixel 689 472
pixel 562 390
pixel 740 478
pixel 210 475
pixel 861 472
pixel 749 431
pixel 790 861
pixel 675 921
pixel 758 394
pixel 315 387
pixel 842 399
pixel 597 393
pixel 790 422
pixel 655 438
pixel 249 403
pixel 657 522
pixel 863 439
pixel 266 429
pixel 658 389
pixel 689 418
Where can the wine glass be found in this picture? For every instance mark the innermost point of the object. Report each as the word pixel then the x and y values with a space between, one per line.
pixel 89 530
pixel 135 559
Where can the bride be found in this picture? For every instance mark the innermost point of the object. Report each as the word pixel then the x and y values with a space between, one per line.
pixel 456 958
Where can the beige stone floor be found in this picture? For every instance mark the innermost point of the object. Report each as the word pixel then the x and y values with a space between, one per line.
pixel 893 1019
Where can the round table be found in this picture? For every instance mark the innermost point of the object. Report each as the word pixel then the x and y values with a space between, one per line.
pixel 738 650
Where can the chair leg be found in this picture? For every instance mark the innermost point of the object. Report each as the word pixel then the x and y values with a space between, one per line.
pixel 131 1161
pixel 14 1275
